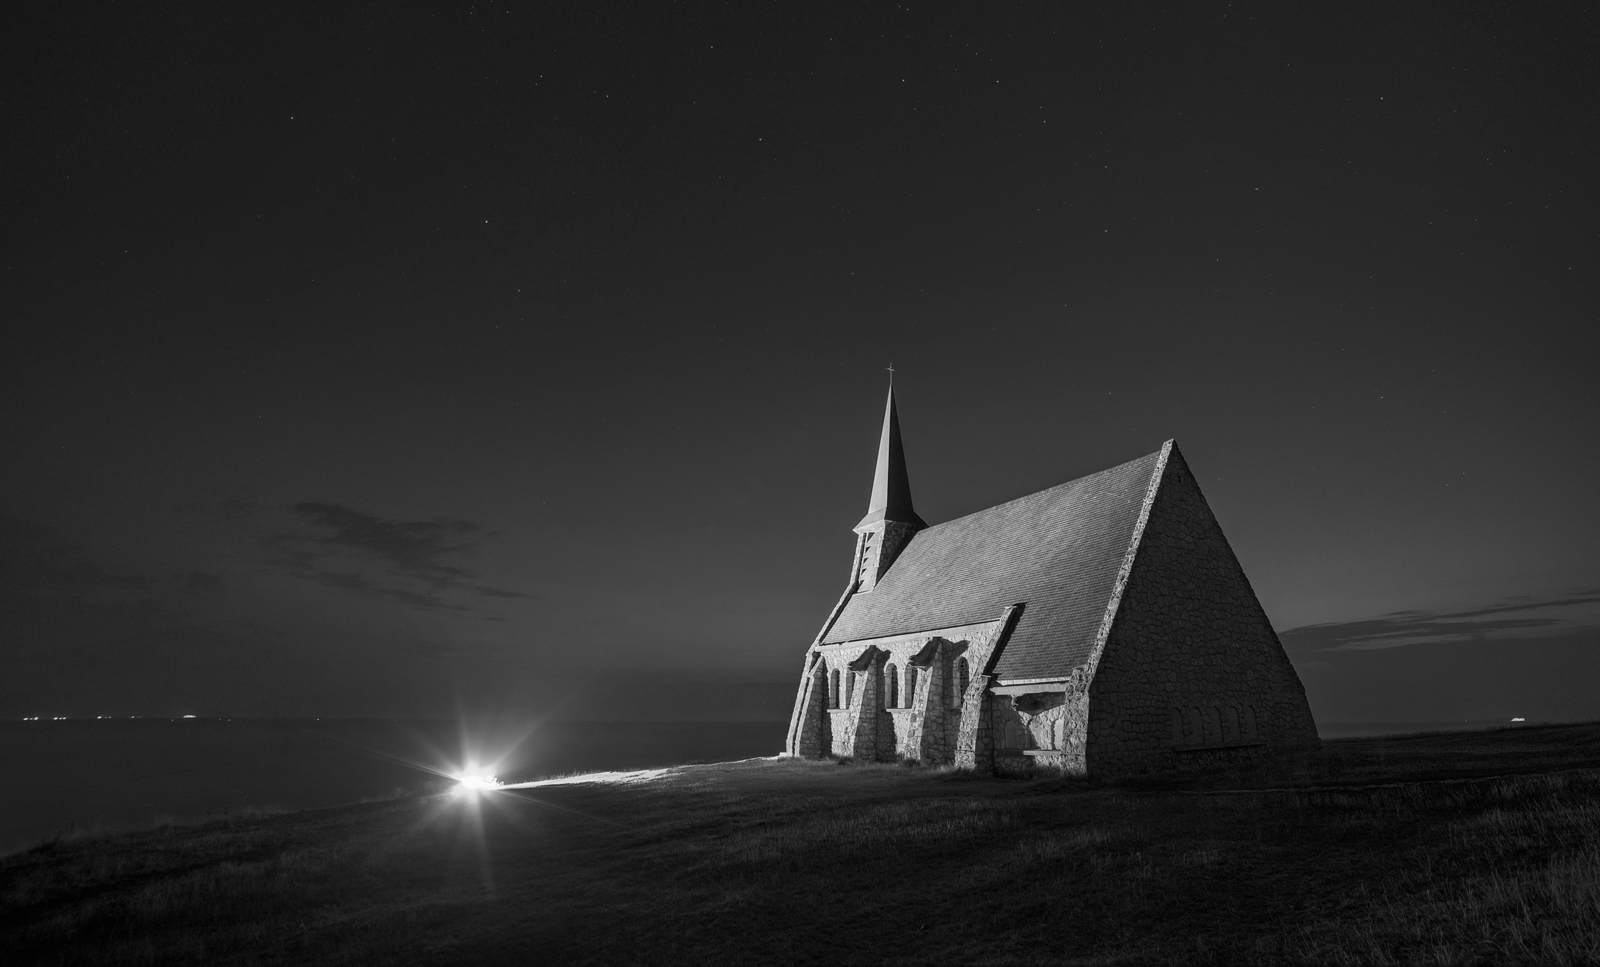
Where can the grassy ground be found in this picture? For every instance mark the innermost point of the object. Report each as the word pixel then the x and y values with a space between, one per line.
pixel 1475 848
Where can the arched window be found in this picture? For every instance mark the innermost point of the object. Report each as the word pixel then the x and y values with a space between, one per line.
pixel 850 690
pixel 1251 726
pixel 833 689
pixel 894 687
pixel 911 685
pixel 1199 727
pixel 1230 724
pixel 1011 736
pixel 961 681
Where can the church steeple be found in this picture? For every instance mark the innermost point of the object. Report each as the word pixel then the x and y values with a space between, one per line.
pixel 891 487
pixel 890 522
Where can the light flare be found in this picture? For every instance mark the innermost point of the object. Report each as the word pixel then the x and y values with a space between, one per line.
pixel 473 782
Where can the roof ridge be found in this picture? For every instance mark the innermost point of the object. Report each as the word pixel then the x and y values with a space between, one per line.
pixel 1065 483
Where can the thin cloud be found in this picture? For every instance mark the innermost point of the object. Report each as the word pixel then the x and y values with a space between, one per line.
pixel 417 562
pixel 361 585
pixel 1520 617
pixel 414 548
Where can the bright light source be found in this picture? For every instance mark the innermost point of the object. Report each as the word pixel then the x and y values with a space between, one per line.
pixel 472 783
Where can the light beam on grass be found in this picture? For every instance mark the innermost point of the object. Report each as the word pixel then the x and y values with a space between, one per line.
pixel 638 775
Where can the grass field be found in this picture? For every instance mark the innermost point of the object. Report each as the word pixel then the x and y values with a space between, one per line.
pixel 1460 848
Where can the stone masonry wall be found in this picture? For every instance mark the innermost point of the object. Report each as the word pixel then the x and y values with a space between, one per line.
pixel 1075 725
pixel 1191 664
pixel 811 735
pixel 842 732
pixel 975 741
pixel 868 718
pixel 1052 721
pixel 860 722
pixel 926 739
pixel 925 722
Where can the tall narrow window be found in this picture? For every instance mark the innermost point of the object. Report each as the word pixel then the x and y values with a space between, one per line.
pixel 833 689
pixel 894 687
pixel 1011 735
pixel 911 686
pixel 850 690
pixel 961 680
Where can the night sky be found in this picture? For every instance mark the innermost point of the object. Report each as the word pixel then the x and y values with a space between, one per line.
pixel 402 360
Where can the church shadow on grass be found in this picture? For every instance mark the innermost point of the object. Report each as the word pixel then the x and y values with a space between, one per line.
pixel 1459 848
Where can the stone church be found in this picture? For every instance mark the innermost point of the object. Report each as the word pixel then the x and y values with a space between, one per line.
pixel 1102 625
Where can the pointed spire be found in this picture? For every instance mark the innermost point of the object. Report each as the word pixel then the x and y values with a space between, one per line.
pixel 891 487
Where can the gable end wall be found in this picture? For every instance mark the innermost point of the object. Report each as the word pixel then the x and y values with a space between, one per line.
pixel 1191 669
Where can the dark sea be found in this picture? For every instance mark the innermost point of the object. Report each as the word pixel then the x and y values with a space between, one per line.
pixel 82 775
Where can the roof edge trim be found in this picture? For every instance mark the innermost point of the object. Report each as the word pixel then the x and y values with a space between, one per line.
pixel 1104 632
pixel 1031 687
pixel 890 513
pixel 1008 624
pixel 838 609
pixel 942 631
pixel 1047 680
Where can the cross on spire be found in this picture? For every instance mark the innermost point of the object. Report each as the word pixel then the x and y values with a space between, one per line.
pixel 890 368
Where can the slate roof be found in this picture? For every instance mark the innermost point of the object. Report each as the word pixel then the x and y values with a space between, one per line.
pixel 1057 552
